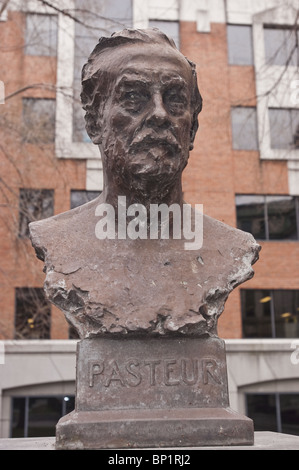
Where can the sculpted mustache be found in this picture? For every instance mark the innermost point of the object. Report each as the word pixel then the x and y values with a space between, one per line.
pixel 145 140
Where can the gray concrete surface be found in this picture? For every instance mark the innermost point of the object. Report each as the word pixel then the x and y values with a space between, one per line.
pixel 263 441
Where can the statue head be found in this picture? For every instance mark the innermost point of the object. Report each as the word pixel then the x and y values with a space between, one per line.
pixel 142 103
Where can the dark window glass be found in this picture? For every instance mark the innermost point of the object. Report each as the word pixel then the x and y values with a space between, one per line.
pixel 268 217
pixel 82 197
pixel 281 46
pixel 281 214
pixel 239 40
pixel 18 417
pixel 261 408
pixel 41 34
pixel 289 408
pixel 73 333
pixel 34 204
pixel 256 313
pixel 270 313
pixel 170 28
pixel 251 215
pixel 38 416
pixel 286 311
pixel 284 128
pixel 43 415
pixel 68 404
pixel 32 314
pixel 38 120
pixel 276 412
pixel 244 128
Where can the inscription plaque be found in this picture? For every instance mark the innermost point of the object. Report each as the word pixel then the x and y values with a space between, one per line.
pixel 154 372
pixel 139 374
pixel 152 392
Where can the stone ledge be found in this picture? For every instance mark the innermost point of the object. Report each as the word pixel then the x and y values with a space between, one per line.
pixel 264 440
pixel 133 429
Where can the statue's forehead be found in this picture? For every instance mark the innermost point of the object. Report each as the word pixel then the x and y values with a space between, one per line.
pixel 140 57
pixel 148 76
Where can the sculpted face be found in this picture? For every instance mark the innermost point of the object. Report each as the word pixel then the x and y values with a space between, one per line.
pixel 147 117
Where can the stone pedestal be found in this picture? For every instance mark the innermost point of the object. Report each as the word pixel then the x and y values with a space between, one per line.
pixel 152 392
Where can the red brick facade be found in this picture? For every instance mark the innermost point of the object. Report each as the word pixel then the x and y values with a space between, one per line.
pixel 216 172
pixel 214 175
pixel 26 166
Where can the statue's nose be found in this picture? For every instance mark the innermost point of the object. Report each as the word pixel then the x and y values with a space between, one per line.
pixel 158 115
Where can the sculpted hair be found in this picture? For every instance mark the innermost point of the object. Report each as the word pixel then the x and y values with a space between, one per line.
pixel 96 83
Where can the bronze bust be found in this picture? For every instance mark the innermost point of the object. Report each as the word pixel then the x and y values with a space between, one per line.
pixel 142 103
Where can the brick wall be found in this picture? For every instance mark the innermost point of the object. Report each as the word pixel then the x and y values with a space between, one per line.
pixel 214 175
pixel 216 172
pixel 26 166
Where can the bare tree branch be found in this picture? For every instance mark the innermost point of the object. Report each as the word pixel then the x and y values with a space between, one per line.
pixel 4 5
pixel 44 86
pixel 74 18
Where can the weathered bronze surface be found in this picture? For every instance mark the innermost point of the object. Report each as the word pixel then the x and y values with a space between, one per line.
pixel 185 427
pixel 141 374
pixel 141 100
pixel 144 295
pixel 152 392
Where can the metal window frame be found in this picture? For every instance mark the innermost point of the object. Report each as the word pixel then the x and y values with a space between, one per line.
pixel 266 219
pixel 251 64
pixel 26 410
pixel 51 16
pixel 277 398
pixel 272 308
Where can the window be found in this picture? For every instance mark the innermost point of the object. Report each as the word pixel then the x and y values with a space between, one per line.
pixel 281 45
pixel 276 412
pixel 270 313
pixel 41 35
pixel 101 18
pixel 284 128
pixel 38 416
pixel 244 128
pixel 170 28
pixel 34 204
pixel 32 314
pixel 73 334
pixel 38 120
pixel 239 41
pixel 269 217
pixel 81 197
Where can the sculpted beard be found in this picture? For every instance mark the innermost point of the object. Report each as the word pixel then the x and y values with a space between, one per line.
pixel 149 159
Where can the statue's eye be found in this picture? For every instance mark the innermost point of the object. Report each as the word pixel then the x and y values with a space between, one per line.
pixel 176 100
pixel 133 96
pixel 134 100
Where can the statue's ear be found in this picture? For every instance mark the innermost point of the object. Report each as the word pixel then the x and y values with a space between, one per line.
pixel 93 124
pixel 197 100
pixel 193 131
pixel 93 97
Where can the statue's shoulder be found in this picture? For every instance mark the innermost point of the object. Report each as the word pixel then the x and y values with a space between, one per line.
pixel 215 229
pixel 227 239
pixel 59 230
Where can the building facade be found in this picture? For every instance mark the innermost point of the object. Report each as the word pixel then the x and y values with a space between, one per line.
pixel 244 169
